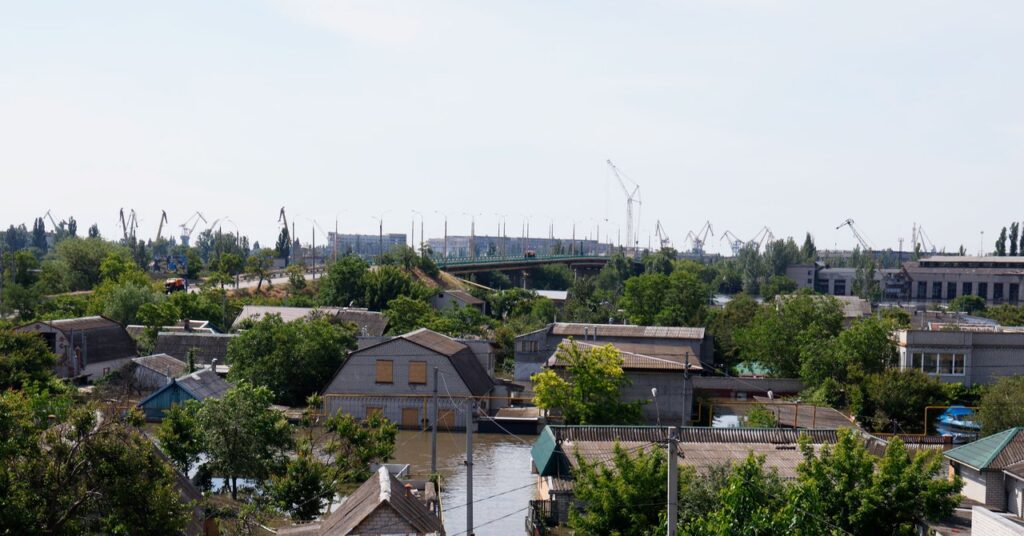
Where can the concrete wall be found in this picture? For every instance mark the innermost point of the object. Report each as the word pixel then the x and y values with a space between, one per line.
pixel 802 275
pixel 974 483
pixel 958 277
pixel 384 520
pixel 988 356
pixel 675 396
pixel 1015 496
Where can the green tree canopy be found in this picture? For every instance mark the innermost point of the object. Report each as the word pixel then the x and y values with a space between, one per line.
pixel 1002 405
pixel 773 337
pixel 344 284
pixel 24 358
pixel 967 303
pixel 353 444
pixel 293 359
pixel 589 392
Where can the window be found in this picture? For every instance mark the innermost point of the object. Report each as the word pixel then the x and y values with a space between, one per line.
pixel 950 291
pixel 958 364
pixel 839 288
pixel 931 363
pixel 917 361
pixel 945 363
pixel 418 372
pixel 968 288
pixel 936 290
pixel 983 290
pixel 922 289
pixel 997 291
pixel 385 371
pixel 1014 293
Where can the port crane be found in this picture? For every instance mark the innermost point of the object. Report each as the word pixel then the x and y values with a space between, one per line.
pixel 864 245
pixel 189 227
pixel 762 236
pixel 632 191
pixel 55 226
pixel 160 228
pixel 735 243
pixel 128 226
pixel 698 239
pixel 663 238
pixel 922 238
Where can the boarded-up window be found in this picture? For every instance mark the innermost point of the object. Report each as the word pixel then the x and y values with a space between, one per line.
pixel 385 371
pixel 417 372
pixel 371 411
pixel 446 419
pixel 410 418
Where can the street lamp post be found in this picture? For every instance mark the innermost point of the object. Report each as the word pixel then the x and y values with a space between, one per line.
pixel 445 232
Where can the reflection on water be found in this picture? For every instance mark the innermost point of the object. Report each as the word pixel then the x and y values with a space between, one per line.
pixel 501 463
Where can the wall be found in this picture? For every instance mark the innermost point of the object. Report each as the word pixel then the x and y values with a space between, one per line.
pixel 155 407
pixel 974 483
pixel 987 355
pixel 1015 494
pixel 384 520
pixel 675 396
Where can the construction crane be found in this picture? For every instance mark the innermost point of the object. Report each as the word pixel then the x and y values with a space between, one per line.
pixel 128 226
pixel 762 236
pixel 856 234
pixel 698 239
pixel 920 237
pixel 633 201
pixel 663 238
pixel 735 244
pixel 160 229
pixel 55 226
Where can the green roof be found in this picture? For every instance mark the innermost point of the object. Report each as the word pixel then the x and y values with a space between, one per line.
pixel 543 452
pixel 981 453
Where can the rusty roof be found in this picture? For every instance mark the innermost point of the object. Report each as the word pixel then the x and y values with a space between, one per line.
pixel 632 360
pixel 162 364
pixel 464 297
pixel 435 341
pixel 568 329
pixel 379 490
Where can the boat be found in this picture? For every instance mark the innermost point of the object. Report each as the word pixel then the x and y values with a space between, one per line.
pixel 959 417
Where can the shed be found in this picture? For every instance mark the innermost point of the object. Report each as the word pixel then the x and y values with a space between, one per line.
pixel 154 371
pixel 86 347
pixel 207 346
pixel 446 299
pixel 991 468
pixel 198 386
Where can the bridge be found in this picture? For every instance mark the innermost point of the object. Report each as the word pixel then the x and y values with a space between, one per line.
pixel 469 265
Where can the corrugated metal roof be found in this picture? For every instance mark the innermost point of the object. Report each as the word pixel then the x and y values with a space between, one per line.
pixel 435 341
pixel 464 297
pixel 162 364
pixel 756 385
pixel 632 360
pixel 996 451
pixel 1016 470
pixel 567 329
pixel 82 324
pixel 204 384
pixel 208 346
pixel 378 490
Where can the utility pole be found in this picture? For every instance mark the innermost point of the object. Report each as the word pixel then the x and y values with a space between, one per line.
pixel 412 236
pixel 673 481
pixel 433 429
pixel 470 407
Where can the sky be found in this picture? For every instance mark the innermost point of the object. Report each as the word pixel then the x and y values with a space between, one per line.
pixel 792 114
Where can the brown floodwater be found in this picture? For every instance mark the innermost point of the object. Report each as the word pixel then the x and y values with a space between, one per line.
pixel 501 468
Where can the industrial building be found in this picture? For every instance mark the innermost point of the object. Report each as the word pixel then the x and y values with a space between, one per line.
pixel 968 354
pixel 943 278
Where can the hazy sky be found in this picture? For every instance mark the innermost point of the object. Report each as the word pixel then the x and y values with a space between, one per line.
pixel 745 112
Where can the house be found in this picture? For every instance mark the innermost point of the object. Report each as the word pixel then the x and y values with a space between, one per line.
pixel 992 469
pixel 967 354
pixel 532 350
pixel 446 299
pixel 198 385
pixel 86 348
pixel 368 323
pixel 395 377
pixel 663 383
pixel 558 450
pixel 741 388
pixel 207 347
pixel 152 372
pixel 381 505
pixel 558 297
pixel 196 326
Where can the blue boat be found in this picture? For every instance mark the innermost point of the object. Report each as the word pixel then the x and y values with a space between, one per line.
pixel 959 417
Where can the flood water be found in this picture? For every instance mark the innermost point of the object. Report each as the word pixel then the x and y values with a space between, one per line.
pixel 501 465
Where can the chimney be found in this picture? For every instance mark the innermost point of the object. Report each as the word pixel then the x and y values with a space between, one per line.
pixel 408 490
pixel 188 325
pixel 595 333
pixel 586 332
pixel 213 365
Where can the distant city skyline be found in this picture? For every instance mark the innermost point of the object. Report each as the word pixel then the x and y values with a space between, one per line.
pixel 790 114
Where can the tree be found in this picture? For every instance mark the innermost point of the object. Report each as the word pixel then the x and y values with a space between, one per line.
pixel 624 497
pixel 968 303
pixel 865 348
pixel 80 259
pixel 261 262
pixel 242 436
pixel 122 302
pixel 752 501
pixel 761 417
pixel 406 314
pixel 1006 314
pixel 685 300
pixel 293 359
pixel 24 358
pixel 296 277
pixel 81 474
pixel 94 231
pixel 737 314
pixel 895 399
pixel 589 392
pixel 354 444
pixel 283 248
pixel 1014 235
pixel 1002 405
pixel 776 285
pixel 181 436
pixel 344 284
pixel 386 283
pixel 644 297
pixel 1001 243
pixel 808 249
pixel 773 337
pixel 305 487
pixel 39 235
pixel 72 227
pixel 551 277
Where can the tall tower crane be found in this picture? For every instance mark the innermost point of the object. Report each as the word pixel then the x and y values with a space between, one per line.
pixel 663 238
pixel 856 234
pixel 189 227
pixel 698 239
pixel 50 216
pixel 735 244
pixel 128 226
pixel 762 236
pixel 633 201
pixel 921 237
